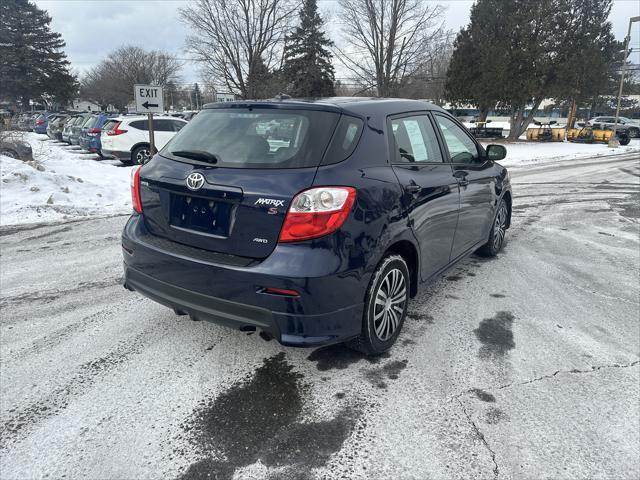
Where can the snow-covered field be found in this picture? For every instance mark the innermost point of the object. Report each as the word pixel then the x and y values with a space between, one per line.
pixel 62 183
pixel 65 183
pixel 528 153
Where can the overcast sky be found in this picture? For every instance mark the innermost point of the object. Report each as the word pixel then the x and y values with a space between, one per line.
pixel 92 28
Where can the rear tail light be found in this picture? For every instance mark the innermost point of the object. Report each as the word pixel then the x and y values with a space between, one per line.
pixel 116 130
pixel 135 189
pixel 94 132
pixel 317 212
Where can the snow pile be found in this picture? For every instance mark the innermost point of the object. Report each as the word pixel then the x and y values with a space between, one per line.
pixel 61 183
pixel 529 153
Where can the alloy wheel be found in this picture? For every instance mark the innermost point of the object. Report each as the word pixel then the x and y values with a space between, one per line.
pixel 390 301
pixel 142 156
pixel 500 227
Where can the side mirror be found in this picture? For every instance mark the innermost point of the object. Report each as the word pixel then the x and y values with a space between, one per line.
pixel 496 152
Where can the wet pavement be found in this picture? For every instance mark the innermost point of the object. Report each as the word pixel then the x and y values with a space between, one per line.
pixel 523 366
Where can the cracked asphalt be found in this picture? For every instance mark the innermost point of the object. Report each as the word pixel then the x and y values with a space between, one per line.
pixel 524 366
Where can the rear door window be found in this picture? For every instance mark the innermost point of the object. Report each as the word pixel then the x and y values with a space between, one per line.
pixel 414 140
pixel 257 137
pixel 140 124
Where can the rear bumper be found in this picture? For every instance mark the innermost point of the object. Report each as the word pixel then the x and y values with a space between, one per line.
pixel 327 310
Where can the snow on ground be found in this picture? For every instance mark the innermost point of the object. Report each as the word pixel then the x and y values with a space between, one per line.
pixel 528 153
pixel 63 183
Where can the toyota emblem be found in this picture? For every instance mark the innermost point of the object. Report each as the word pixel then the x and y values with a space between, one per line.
pixel 195 181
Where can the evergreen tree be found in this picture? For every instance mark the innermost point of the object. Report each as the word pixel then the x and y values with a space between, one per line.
pixel 516 53
pixel 33 63
pixel 587 53
pixel 307 69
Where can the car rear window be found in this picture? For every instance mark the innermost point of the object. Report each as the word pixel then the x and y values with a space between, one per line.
pixel 257 137
pixel 109 124
pixel 89 122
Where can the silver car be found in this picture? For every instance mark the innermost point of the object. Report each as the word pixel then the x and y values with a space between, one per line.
pixel 633 126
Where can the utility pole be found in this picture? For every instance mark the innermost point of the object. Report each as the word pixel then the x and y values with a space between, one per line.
pixel 613 142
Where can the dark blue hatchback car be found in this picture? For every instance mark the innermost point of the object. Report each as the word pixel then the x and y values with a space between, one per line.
pixel 312 221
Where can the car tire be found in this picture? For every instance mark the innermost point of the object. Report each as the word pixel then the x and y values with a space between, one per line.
pixel 624 139
pixel 498 232
pixel 386 305
pixel 140 155
pixel 10 154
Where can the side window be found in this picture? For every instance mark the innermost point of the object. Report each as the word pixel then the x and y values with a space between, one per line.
pixel 163 125
pixel 344 141
pixel 461 148
pixel 140 125
pixel 177 126
pixel 414 140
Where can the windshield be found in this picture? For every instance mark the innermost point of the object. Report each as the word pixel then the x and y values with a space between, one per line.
pixel 255 138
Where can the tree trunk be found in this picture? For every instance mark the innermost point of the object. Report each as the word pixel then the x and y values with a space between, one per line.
pixel 571 120
pixel 483 113
pixel 519 121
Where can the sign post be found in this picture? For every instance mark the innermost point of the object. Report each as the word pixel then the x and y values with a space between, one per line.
pixel 149 100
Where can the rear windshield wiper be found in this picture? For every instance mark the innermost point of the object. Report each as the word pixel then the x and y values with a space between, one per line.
pixel 201 155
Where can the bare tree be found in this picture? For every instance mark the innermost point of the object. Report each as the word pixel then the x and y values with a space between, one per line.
pixel 387 40
pixel 429 79
pixel 112 80
pixel 237 40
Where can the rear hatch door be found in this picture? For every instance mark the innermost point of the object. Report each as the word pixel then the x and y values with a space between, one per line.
pixel 225 181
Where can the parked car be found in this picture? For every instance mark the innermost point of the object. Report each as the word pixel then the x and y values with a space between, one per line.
pixel 54 129
pixel 66 127
pixel 20 121
pixel 27 121
pixel 41 122
pixel 322 235
pixel 127 137
pixel 76 128
pixel 13 146
pixel 632 126
pixel 91 131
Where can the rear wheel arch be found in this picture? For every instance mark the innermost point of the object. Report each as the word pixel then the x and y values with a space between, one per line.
pixel 409 253
pixel 139 144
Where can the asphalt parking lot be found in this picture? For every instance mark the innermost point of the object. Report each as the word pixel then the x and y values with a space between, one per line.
pixel 523 366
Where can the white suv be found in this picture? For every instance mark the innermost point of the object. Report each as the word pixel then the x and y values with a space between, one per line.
pixel 127 138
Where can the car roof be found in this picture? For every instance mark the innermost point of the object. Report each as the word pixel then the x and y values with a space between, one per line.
pixel 354 105
pixel 131 118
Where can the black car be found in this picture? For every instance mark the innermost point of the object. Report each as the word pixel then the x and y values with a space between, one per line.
pixel 313 221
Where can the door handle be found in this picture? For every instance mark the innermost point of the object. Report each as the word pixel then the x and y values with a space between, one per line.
pixel 412 188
